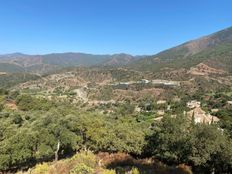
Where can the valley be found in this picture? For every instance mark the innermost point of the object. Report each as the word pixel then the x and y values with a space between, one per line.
pixel 114 114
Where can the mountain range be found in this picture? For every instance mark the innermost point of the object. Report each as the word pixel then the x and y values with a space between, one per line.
pixel 18 62
pixel 214 50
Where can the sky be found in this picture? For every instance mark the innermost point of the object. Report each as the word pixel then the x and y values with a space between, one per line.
pixel 137 27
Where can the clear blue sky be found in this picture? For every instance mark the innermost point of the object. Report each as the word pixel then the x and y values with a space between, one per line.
pixel 107 26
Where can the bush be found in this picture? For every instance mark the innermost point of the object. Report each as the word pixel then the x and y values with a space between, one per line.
pixel 4 114
pixel 87 158
pixel 82 169
pixel 108 172
pixel 1 107
pixel 41 169
pixel 135 171
pixel 17 119
pixel 3 91
pixel 27 103
pixel 13 94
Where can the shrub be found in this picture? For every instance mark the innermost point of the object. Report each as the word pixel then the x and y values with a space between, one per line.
pixel 108 172
pixel 135 171
pixel 41 169
pixel 1 107
pixel 4 114
pixel 17 119
pixel 82 169
pixel 87 158
pixel 25 102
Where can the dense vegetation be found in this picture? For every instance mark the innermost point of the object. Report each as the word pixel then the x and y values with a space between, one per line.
pixel 11 79
pixel 11 68
pixel 116 120
pixel 206 147
pixel 42 130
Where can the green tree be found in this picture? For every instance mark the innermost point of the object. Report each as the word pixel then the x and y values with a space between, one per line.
pixel 205 147
pixel 170 140
pixel 17 150
pixel 211 148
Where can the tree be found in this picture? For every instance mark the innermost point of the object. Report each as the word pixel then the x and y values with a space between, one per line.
pixel 205 147
pixel 18 150
pixel 17 119
pixel 211 149
pixel 170 140
pixel 25 102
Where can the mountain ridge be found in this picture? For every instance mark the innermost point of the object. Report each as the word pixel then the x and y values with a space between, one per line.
pixel 189 52
pixel 49 62
pixel 213 50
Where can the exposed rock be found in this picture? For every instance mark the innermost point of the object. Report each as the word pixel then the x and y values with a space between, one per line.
pixel 203 69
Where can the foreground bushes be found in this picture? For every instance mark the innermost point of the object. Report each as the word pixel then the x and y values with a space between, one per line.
pixel 81 163
pixel 205 147
pixel 39 130
pixel 25 141
pixel 88 163
pixel 26 103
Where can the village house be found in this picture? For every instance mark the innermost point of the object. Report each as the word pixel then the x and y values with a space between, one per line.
pixel 138 109
pixel 214 110
pixel 160 102
pixel 158 118
pixel 200 116
pixel 3 73
pixel 193 104
pixel 160 112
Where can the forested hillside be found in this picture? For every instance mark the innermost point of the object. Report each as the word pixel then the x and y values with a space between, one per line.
pixel 12 79
pixel 35 129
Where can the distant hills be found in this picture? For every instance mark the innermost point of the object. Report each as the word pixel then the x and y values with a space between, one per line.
pixel 214 50
pixel 18 62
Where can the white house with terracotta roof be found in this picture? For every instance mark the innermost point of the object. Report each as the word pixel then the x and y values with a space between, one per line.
pixel 199 115
pixel 193 104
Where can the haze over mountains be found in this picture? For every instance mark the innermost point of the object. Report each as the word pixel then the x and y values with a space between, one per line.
pixel 18 62
pixel 213 50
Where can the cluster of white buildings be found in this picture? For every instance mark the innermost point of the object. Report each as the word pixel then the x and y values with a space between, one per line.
pixel 199 115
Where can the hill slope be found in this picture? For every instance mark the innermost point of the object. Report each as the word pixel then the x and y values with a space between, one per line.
pixel 213 50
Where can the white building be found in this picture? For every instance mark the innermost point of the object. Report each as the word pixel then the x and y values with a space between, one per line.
pixel 193 104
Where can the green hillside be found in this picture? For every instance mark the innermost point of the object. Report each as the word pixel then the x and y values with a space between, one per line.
pixel 12 79
pixel 7 67
pixel 214 50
